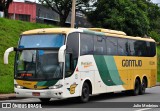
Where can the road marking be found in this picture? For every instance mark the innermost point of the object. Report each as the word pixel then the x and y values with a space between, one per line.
pixel 143 109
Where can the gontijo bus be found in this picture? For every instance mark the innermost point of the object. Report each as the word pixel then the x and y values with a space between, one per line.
pixel 66 62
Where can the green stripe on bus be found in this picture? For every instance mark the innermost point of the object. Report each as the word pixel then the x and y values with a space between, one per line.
pixel 41 83
pixel 108 70
pixel 51 83
pixel 47 83
pixel 112 68
pixel 103 70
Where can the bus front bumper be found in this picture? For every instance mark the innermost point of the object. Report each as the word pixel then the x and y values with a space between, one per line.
pixel 47 93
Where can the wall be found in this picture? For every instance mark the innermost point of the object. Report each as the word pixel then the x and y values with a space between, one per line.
pixel 21 8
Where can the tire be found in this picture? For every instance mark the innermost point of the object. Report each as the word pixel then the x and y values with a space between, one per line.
pixel 136 89
pixel 44 99
pixel 85 93
pixel 143 87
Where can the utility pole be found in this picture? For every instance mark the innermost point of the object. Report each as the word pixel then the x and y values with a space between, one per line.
pixel 73 13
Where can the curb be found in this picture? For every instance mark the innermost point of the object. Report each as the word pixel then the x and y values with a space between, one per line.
pixel 7 96
pixel 158 84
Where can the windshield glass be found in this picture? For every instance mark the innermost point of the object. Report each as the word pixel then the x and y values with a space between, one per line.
pixel 42 41
pixel 38 65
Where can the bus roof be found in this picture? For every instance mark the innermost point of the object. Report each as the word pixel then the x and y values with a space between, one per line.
pixel 115 33
pixel 48 31
pixel 96 31
pixel 108 31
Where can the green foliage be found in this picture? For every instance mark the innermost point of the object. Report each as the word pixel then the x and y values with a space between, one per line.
pixel 4 5
pixel 155 35
pixel 158 58
pixel 63 7
pixel 135 17
pixel 10 31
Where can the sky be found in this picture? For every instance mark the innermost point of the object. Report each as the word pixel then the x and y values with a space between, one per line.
pixel 155 1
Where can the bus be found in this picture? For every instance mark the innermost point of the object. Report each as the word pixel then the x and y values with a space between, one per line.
pixel 68 62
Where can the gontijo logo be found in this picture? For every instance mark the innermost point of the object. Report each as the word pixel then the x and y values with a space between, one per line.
pixel 86 64
pixel 131 63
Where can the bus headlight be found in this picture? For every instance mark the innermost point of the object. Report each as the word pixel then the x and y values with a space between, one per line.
pixel 18 86
pixel 56 86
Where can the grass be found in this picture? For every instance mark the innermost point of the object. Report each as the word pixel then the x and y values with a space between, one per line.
pixel 9 36
pixel 158 66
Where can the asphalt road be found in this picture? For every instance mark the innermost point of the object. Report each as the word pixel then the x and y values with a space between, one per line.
pixel 104 102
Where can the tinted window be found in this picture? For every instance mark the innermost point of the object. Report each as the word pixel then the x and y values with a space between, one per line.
pixel 152 49
pixel 99 45
pixel 122 46
pixel 131 48
pixel 42 40
pixel 111 46
pixel 141 48
pixel 73 44
pixel 87 44
pixel 72 53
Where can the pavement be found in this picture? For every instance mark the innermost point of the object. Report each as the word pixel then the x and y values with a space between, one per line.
pixel 7 96
pixel 13 96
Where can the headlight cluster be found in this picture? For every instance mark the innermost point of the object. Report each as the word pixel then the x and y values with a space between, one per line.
pixel 18 86
pixel 56 86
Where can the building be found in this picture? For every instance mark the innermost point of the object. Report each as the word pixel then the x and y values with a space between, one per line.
pixel 25 11
pixel 33 12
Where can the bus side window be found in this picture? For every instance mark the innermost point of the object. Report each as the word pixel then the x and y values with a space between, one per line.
pixel 68 64
pixel 108 50
pixel 84 50
pixel 152 50
pixel 111 46
pixel 122 46
pixel 72 52
pixel 99 45
pixel 87 46
pixel 131 47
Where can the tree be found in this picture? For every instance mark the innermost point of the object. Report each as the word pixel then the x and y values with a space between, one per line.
pixel 63 7
pixel 120 15
pixel 154 16
pixel 4 5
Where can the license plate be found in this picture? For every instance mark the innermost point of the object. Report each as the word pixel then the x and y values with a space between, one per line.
pixel 36 93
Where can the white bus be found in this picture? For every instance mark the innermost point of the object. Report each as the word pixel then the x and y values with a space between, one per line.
pixel 65 62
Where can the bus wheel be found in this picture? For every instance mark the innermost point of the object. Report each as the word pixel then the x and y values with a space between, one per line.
pixel 136 89
pixel 85 93
pixel 44 99
pixel 143 87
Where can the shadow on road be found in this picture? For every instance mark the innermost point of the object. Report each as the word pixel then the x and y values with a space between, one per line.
pixel 74 103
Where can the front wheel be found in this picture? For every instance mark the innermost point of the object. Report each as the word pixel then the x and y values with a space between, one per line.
pixel 44 99
pixel 85 93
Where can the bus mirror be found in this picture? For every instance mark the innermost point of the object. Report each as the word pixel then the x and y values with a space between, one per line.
pixel 6 54
pixel 61 54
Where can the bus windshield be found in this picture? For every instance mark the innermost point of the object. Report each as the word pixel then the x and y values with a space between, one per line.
pixel 37 57
pixel 38 65
pixel 42 41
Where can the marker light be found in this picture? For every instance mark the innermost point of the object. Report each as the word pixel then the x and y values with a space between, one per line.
pixel 56 86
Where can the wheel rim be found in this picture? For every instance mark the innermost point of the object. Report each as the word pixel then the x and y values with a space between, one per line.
pixel 85 92
pixel 137 87
pixel 143 86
